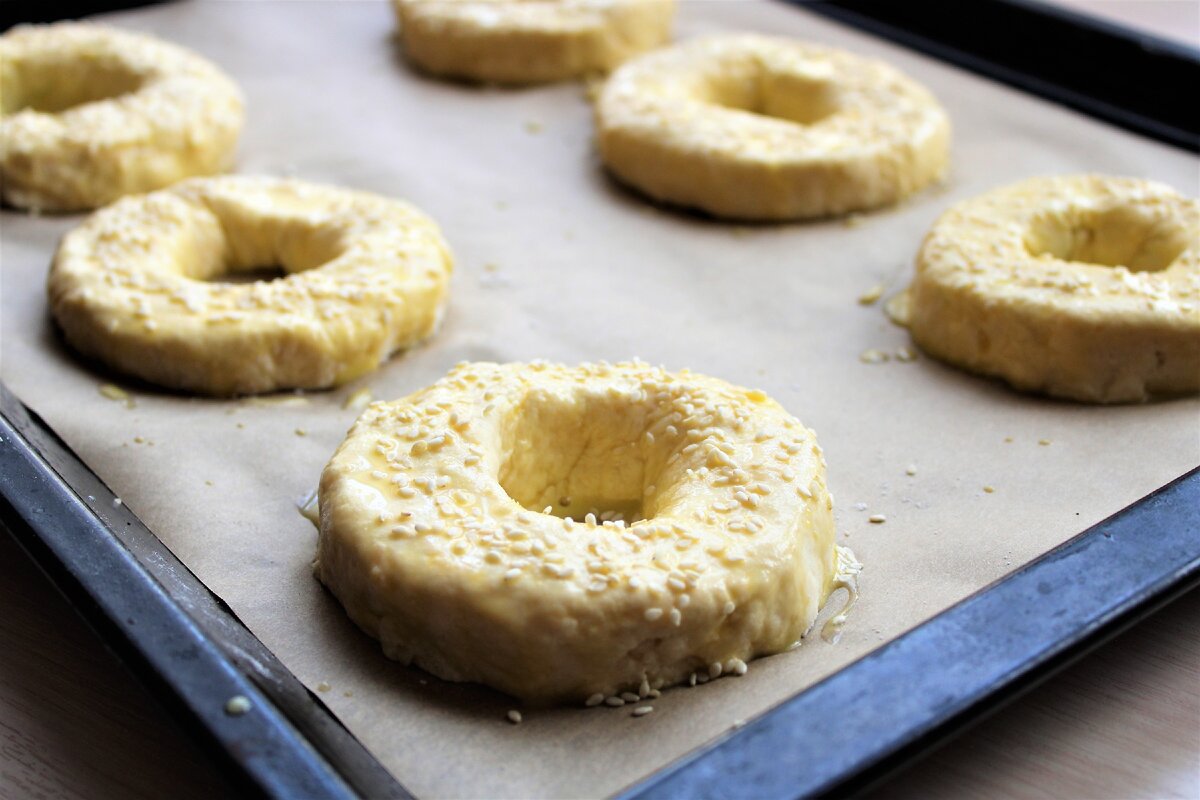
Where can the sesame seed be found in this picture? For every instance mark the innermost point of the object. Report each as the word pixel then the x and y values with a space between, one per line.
pixel 729 607
pixel 877 519
pixel 237 705
pixel 514 716
pixel 630 697
pixel 911 469
pixel 614 701
pixel 642 711
pixel 594 700
pixel 872 295
pixel 714 669
pixel 989 489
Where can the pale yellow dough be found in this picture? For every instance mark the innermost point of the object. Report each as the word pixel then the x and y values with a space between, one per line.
pixel 1084 287
pixel 90 113
pixel 433 533
pixel 761 128
pixel 529 41
pixel 139 284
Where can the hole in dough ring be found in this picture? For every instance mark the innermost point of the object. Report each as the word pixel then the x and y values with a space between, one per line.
pixel 1084 287
pixel 515 41
pixel 429 541
pixel 92 113
pixel 762 128
pixel 139 284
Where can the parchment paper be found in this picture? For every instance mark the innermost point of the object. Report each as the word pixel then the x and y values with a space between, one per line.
pixel 556 262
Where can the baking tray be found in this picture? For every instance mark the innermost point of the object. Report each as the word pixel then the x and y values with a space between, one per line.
pixel 892 704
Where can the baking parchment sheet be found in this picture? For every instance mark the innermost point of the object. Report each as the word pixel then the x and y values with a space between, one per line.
pixel 555 261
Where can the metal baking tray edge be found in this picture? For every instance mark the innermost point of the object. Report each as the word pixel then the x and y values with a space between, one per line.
pixel 890 706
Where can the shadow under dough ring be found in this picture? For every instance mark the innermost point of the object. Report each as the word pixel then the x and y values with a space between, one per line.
pixel 139 285
pixel 1084 287
pixel 561 533
pixel 515 41
pixel 91 113
pixel 761 128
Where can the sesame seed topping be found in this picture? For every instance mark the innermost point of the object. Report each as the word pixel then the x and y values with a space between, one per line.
pixel 872 295
pixel 237 705
pixel 514 716
pixel 641 711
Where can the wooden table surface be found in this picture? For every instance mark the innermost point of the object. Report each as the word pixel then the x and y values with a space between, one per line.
pixel 1122 723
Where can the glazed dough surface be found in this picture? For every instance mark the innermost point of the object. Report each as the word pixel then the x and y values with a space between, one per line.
pixel 755 127
pixel 90 113
pixel 143 284
pixel 1084 287
pixel 562 532
pixel 529 41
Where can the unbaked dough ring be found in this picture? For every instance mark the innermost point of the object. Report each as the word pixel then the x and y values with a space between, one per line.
pixel 138 286
pixel 90 113
pixel 430 539
pixel 1084 287
pixel 524 41
pixel 760 128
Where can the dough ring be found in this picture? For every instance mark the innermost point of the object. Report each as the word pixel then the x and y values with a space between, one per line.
pixel 1084 287
pixel 90 113
pixel 519 41
pixel 139 284
pixel 561 533
pixel 760 128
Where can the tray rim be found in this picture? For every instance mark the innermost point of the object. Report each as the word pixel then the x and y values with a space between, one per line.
pixel 312 750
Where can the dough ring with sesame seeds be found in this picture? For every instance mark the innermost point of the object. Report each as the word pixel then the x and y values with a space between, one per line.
pixel 562 533
pixel 146 284
pixel 518 41
pixel 762 128
pixel 1084 287
pixel 90 113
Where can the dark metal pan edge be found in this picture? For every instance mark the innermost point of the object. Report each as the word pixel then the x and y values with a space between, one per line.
pixel 860 724
pixel 169 628
pixel 1130 79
